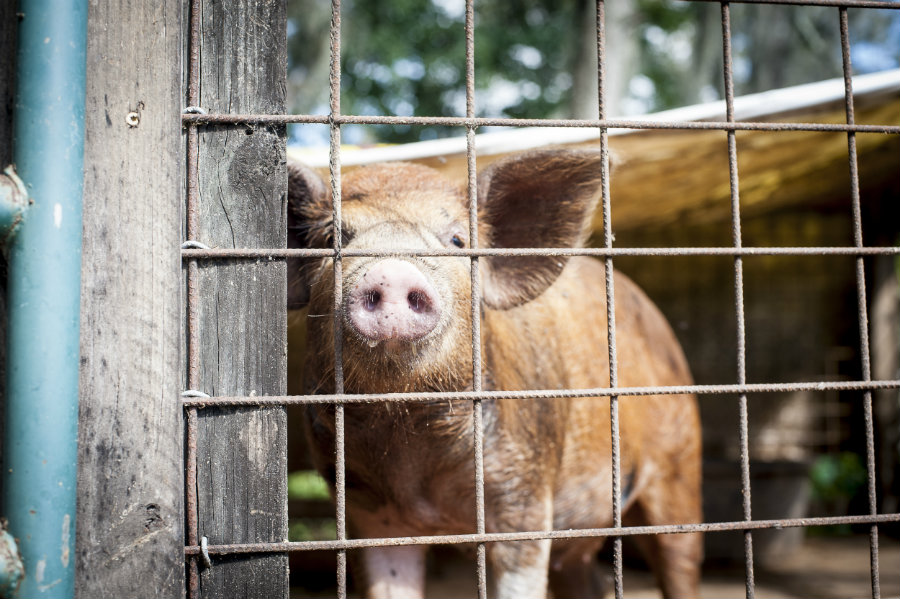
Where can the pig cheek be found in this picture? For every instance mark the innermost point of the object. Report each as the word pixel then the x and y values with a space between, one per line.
pixel 457 325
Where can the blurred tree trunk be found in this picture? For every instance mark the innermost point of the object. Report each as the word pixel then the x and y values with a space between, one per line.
pixel 621 48
pixel 707 59
pixel 308 77
pixel 785 46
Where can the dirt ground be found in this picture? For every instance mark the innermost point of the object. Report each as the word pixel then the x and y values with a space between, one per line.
pixel 824 568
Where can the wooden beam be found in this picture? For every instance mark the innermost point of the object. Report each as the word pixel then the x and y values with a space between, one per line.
pixel 129 526
pixel 242 465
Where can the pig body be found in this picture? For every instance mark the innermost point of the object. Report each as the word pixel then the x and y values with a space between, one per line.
pixel 547 462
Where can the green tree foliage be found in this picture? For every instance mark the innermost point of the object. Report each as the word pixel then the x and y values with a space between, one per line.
pixel 408 57
pixel 536 58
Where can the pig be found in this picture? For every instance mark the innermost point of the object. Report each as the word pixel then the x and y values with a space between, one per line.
pixel 405 324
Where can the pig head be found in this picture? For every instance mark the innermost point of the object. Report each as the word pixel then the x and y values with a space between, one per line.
pixel 405 325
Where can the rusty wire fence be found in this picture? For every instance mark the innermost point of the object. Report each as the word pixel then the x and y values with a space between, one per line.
pixel 198 551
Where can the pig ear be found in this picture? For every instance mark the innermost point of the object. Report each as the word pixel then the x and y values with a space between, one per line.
pixel 308 211
pixel 541 199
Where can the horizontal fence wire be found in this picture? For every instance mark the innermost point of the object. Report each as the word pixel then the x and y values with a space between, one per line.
pixel 262 253
pixel 449 121
pixel 835 3
pixel 194 251
pixel 189 400
pixel 575 533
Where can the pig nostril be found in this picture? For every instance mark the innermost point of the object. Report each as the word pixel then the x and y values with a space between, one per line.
pixel 418 302
pixel 372 299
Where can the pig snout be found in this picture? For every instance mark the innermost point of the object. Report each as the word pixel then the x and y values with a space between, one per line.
pixel 393 300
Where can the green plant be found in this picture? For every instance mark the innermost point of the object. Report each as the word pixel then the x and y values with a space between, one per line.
pixel 837 477
pixel 307 485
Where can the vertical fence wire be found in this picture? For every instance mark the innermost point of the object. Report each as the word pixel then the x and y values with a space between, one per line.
pixel 738 298
pixel 863 317
pixel 337 307
pixel 477 405
pixel 193 316
pixel 618 575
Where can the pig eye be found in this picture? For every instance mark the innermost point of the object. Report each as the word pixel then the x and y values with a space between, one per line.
pixel 457 241
pixel 346 237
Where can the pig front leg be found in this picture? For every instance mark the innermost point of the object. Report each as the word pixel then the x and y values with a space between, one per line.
pixel 395 572
pixel 520 569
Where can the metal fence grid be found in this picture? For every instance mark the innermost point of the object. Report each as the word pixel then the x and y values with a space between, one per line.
pixel 193 250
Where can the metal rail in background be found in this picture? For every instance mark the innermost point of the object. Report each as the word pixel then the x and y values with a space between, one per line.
pixel 194 250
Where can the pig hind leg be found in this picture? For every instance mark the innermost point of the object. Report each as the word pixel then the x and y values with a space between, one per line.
pixel 674 558
pixel 575 572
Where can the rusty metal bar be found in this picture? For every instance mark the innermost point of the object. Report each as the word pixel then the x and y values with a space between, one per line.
pixel 842 3
pixel 618 577
pixel 271 119
pixel 741 341
pixel 340 491
pixel 193 316
pixel 190 483
pixel 262 253
pixel 863 318
pixel 350 398
pixel 581 533
pixel 475 308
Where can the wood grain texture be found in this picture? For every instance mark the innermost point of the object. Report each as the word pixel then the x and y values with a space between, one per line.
pixel 129 540
pixel 242 466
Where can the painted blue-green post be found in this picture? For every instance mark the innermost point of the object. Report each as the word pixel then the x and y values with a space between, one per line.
pixel 40 444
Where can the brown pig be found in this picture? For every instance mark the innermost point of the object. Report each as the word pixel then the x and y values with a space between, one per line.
pixel 406 326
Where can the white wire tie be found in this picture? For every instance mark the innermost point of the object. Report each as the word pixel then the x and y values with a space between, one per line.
pixel 204 551
pixel 194 245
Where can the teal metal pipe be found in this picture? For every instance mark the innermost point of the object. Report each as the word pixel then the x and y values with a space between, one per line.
pixel 40 443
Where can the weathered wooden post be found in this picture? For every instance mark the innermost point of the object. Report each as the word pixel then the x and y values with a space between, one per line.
pixel 241 345
pixel 130 540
